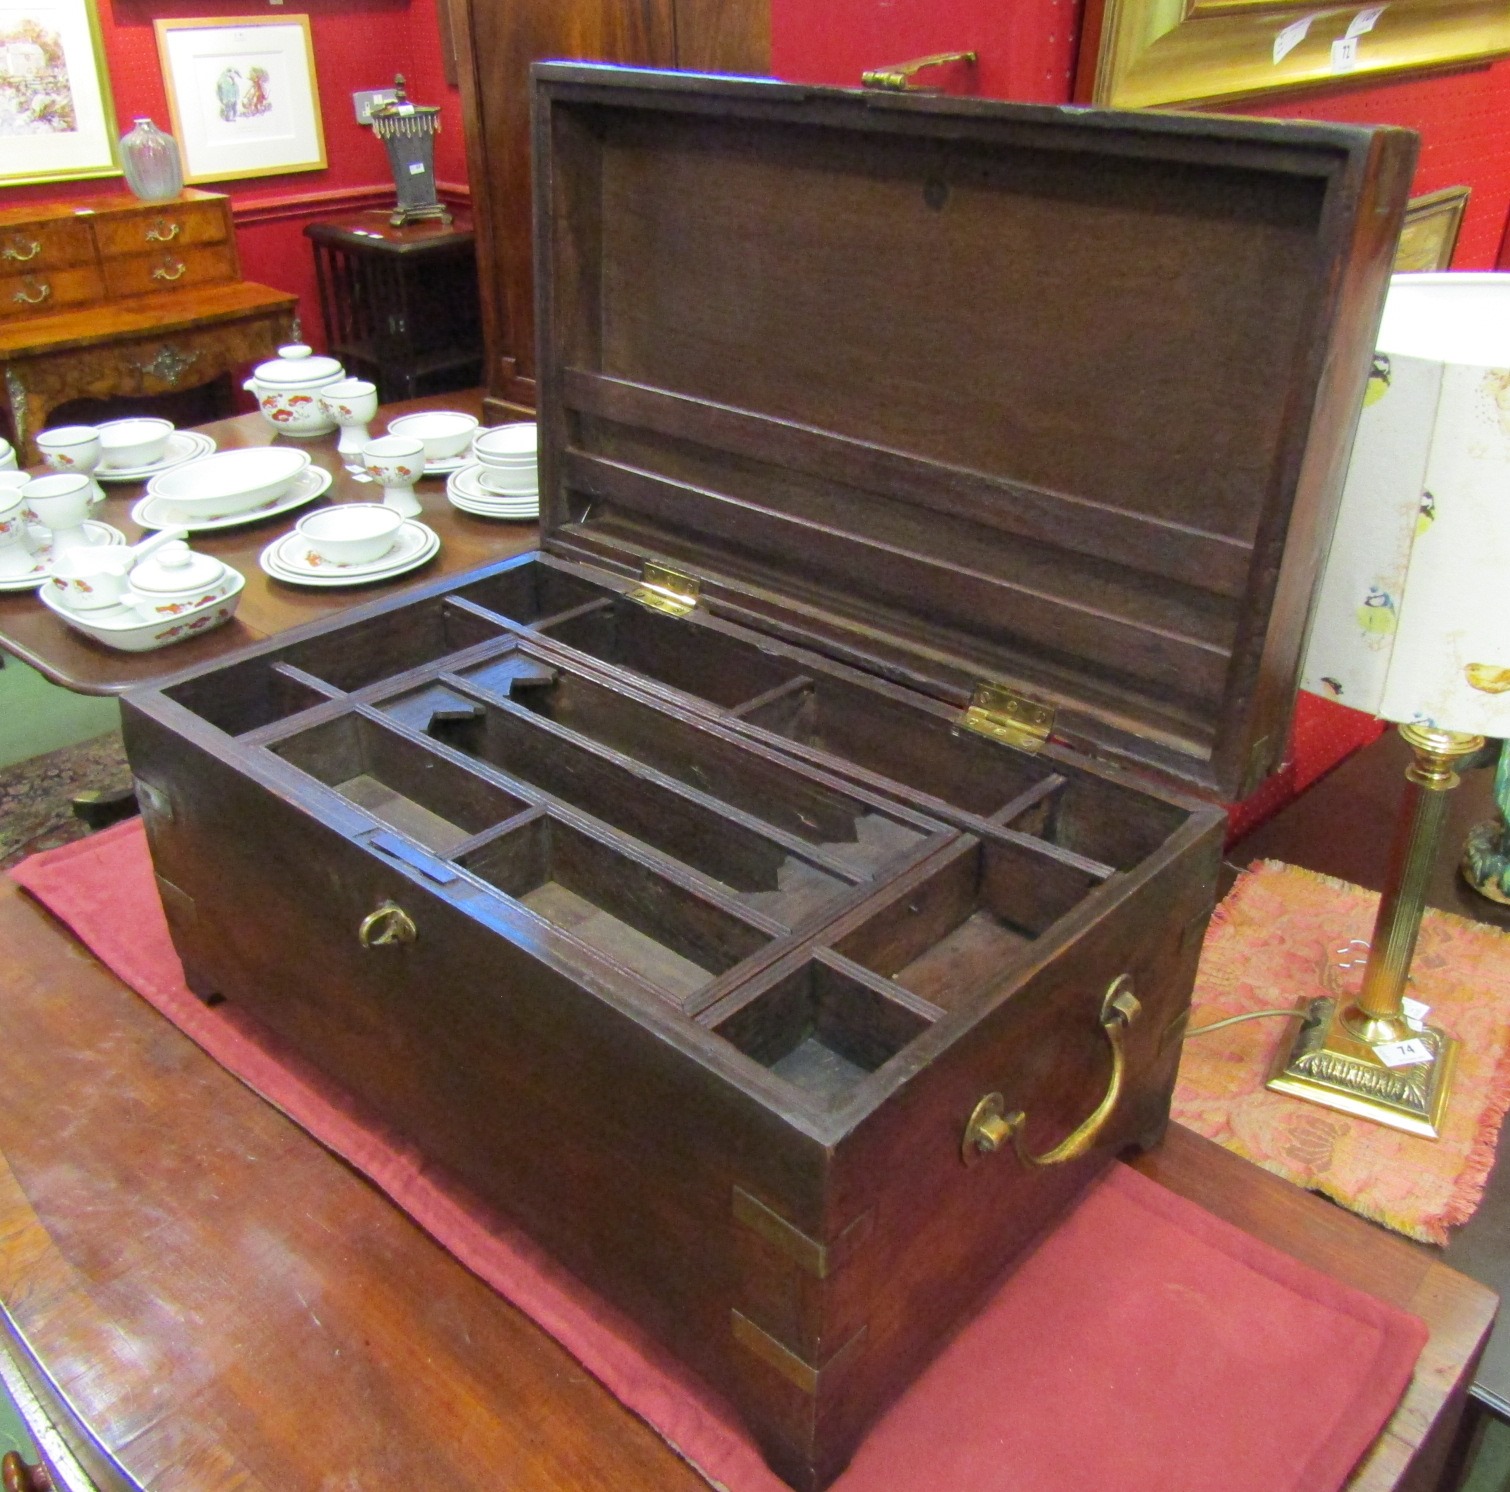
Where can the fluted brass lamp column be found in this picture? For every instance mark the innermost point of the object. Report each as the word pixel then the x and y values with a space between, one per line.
pixel 1413 624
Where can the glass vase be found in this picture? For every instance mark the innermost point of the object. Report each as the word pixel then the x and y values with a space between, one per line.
pixel 150 160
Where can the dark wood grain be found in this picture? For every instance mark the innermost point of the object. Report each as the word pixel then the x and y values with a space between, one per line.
pixel 226 1305
pixel 267 606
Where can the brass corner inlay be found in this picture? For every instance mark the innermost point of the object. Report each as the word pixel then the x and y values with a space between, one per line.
pixel 1488 678
pixel 810 1378
pixel 817 1259
pixel 666 590
pixel 1005 715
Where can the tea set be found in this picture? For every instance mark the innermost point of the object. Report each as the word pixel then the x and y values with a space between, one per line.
pixel 146 595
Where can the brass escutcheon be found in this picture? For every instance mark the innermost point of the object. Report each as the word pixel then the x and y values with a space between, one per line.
pixel 389 926
pixel 990 1127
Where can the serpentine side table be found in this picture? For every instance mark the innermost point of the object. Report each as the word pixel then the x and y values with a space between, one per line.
pixel 108 297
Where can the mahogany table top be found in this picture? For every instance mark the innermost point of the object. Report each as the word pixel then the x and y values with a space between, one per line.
pixel 225 1304
pixel 268 606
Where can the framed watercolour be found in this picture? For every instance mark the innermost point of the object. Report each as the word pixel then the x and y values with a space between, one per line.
pixel 1143 53
pixel 1431 230
pixel 243 96
pixel 57 120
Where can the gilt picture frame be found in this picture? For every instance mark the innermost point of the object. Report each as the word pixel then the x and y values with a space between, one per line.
pixel 1432 224
pixel 57 118
pixel 1153 53
pixel 243 95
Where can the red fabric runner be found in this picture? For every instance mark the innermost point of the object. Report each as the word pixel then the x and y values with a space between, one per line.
pixel 1146 1346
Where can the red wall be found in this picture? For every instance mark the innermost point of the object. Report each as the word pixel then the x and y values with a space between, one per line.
pixel 1027 52
pixel 356 45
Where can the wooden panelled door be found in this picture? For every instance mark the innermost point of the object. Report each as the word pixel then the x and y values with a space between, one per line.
pixel 496 42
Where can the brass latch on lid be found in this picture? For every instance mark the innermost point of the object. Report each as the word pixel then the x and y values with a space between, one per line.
pixel 663 589
pixel 1005 715
pixel 898 78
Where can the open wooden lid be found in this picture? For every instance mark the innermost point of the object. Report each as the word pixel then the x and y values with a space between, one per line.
pixel 963 391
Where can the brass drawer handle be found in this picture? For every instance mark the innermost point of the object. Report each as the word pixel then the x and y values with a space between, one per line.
pixel 162 272
pixel 43 291
pixel 17 1475
pixel 13 251
pixel 990 1128
pixel 162 231
pixel 387 927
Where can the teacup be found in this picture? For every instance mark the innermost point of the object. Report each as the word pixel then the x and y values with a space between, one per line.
pixel 16 558
pixel 73 448
pixel 398 463
pixel 352 403
pixel 8 460
pixel 61 502
pixel 13 482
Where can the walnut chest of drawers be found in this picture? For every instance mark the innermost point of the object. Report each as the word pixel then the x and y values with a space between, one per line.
pixel 106 296
pixel 781 895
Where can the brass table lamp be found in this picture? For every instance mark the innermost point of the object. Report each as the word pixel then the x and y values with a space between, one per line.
pixel 1412 624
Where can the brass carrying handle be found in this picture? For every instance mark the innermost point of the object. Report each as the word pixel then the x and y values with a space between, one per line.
pixel 162 231
pixel 388 927
pixel 12 251
pixel 898 78
pixel 990 1127
pixel 176 273
pixel 43 291
pixel 18 1475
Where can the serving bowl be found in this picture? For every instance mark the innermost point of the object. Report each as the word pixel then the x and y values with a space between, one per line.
pixel 138 441
pixel 443 432
pixel 121 628
pixel 351 533
pixel 228 482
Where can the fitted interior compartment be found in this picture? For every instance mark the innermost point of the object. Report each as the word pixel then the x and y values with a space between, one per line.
pixel 767 871
pixel 244 696
pixel 953 930
pixel 388 644
pixel 532 591
pixel 411 789
pixel 823 1026
pixel 927 750
pixel 663 932
pixel 711 665
pixel 860 835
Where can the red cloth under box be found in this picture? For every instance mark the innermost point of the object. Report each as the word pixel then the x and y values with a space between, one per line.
pixel 1144 1345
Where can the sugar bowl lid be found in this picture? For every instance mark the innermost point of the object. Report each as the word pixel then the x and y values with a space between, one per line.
pixel 174 568
pixel 298 366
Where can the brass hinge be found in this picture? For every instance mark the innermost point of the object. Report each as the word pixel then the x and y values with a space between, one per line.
pixel 663 589
pixel 1005 715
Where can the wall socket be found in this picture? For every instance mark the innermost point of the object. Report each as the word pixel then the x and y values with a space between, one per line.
pixel 369 99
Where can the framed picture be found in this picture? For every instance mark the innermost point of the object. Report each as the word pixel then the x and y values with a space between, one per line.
pixel 1143 53
pixel 57 120
pixel 242 93
pixel 1431 229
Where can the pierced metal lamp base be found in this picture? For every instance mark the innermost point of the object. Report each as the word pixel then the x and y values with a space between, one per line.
pixel 1328 1065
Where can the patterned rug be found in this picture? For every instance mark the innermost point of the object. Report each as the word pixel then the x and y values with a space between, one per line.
pixel 36 796
pixel 1268 948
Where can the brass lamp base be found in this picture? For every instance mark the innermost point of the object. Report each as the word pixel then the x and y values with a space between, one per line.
pixel 1330 1065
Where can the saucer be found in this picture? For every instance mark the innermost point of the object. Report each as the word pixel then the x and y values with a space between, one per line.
pixel 287 559
pixel 446 465
pixel 183 445
pixel 527 513
pixel 99 533
pixel 157 512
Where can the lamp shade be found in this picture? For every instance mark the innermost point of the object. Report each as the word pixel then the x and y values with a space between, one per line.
pixel 1412 620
